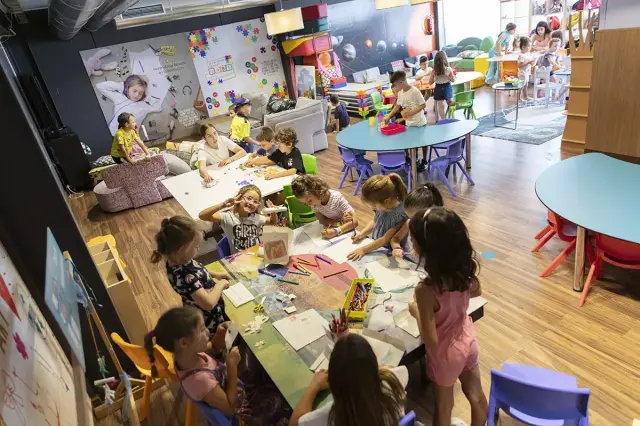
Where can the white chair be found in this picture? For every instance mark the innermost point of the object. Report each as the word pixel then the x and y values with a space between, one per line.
pixel 542 81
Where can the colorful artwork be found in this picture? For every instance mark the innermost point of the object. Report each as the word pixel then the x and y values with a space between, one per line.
pixel 305 81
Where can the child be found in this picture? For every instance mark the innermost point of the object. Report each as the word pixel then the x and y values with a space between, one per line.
pixel 385 195
pixel 231 111
pixel 419 199
pixel 330 207
pixel 550 58
pixel 240 126
pixel 442 76
pixel 177 243
pixel 214 150
pixel 182 331
pixel 241 224
pixel 265 139
pixel 287 156
pixel 122 146
pixel 542 37
pixel 442 244
pixel 424 73
pixel 525 61
pixel 341 118
pixel 364 393
pixel 129 96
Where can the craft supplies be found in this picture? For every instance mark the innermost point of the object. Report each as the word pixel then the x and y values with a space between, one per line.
pixel 289 310
pixel 267 273
pixel 255 325
pixel 357 298
pixel 322 258
pixel 288 282
pixel 339 325
pixel 297 273
pixel 301 329
pixel 238 294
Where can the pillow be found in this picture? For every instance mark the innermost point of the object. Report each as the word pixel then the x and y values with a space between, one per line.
pixel 105 160
pixel 470 54
pixel 183 155
pixel 470 47
pixel 258 104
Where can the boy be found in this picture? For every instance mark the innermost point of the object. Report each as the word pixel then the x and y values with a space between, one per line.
pixel 341 118
pixel 423 75
pixel 525 61
pixel 287 156
pixel 240 126
pixel 267 146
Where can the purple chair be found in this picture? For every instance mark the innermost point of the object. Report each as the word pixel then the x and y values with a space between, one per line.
pixel 434 148
pixel 393 161
pixel 409 419
pixel 355 160
pixel 452 157
pixel 537 396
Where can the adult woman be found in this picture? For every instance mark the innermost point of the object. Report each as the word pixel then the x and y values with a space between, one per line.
pixel 540 40
pixel 502 45
pixel 214 150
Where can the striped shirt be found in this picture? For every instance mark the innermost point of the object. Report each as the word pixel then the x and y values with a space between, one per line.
pixel 336 207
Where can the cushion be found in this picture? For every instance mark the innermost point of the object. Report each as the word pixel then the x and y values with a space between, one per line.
pixel 487 44
pixel 470 54
pixel 469 40
pixel 182 155
pixel 105 160
pixel 177 166
pixel 258 104
pixel 470 47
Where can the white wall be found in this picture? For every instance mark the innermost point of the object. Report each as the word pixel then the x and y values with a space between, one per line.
pixel 620 14
pixel 464 18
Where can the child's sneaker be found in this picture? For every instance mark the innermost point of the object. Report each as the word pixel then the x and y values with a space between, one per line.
pixel 458 422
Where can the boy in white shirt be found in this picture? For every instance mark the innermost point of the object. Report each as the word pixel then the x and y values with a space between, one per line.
pixel 424 72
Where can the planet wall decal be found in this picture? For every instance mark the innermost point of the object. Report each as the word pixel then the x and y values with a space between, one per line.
pixel 381 46
pixel 348 52
pixel 368 43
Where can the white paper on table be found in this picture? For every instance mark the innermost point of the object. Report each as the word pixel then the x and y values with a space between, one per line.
pixel 321 363
pixel 232 333
pixel 314 232
pixel 405 321
pixel 388 278
pixel 341 250
pixel 238 294
pixel 387 349
pixel 301 329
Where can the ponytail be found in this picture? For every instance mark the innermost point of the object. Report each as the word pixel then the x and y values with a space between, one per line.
pixel 148 346
pixel 399 187
pixel 424 197
pixel 379 188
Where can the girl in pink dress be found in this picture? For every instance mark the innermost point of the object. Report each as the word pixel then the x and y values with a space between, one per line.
pixel 441 242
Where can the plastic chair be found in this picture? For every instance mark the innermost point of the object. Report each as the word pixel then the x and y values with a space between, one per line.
pixel 376 99
pixel 286 189
pixel 299 212
pixel 452 158
pixel 310 164
pixel 393 161
pixel 433 149
pixel 408 419
pixel 464 102
pixel 354 160
pixel 164 365
pixel 544 74
pixel 213 416
pixel 622 254
pixel 537 396
pixel 224 249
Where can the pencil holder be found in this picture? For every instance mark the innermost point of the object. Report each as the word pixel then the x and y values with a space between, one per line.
pixel 358 298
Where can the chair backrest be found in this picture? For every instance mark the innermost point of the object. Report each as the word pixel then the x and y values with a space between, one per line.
pixel 347 155
pixel 408 419
pixel 376 98
pixel 465 97
pixel 138 355
pixel 224 249
pixel 456 88
pixel 544 402
pixel 310 164
pixel 297 207
pixel 455 150
pixel 392 158
pixel 560 225
pixel 622 250
pixel 286 189
pixel 213 416
pixel 447 120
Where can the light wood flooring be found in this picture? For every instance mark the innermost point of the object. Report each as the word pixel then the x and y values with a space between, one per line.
pixel 528 319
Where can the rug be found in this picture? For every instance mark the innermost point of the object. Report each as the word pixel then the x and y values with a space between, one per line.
pixel 536 125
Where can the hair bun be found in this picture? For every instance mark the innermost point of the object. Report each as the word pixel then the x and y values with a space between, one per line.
pixel 165 222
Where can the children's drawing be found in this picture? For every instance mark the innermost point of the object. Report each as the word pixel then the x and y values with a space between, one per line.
pixel 6 296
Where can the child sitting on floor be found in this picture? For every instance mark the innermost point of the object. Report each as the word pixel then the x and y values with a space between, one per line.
pixel 210 382
pixel 267 146
pixel 241 223
pixel 177 243
pixel 340 118
pixel 330 207
pixel 364 393
pixel 385 195
pixel 287 156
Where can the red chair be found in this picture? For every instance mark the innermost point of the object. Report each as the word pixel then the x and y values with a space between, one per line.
pixel 565 230
pixel 615 252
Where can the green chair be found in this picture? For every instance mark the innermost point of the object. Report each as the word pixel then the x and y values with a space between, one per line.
pixel 288 192
pixel 310 164
pixel 464 101
pixel 376 98
pixel 299 212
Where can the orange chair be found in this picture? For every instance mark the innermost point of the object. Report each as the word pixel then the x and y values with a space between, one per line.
pixel 163 363
pixel 565 230
pixel 615 252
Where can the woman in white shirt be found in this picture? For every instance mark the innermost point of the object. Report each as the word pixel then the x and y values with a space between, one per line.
pixel 214 150
pixel 364 394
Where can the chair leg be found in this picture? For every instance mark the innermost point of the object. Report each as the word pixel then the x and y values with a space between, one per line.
pixel 362 174
pixel 464 172
pixel 558 260
pixel 431 149
pixel 446 182
pixel 543 241
pixel 543 232
pixel 146 396
pixel 344 177
pixel 587 284
pixel 190 416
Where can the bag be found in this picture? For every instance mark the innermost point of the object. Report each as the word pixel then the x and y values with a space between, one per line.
pixel 276 104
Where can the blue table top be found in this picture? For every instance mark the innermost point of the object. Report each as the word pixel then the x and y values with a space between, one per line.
pixel 368 138
pixel 596 192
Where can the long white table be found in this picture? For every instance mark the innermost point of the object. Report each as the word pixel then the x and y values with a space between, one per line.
pixel 188 190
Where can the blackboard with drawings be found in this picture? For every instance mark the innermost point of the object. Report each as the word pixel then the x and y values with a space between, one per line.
pixel 36 378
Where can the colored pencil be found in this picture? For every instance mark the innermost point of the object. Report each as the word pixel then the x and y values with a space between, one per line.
pixel 304 269
pixel 269 274
pixel 323 259
pixel 288 282
pixel 306 262
pixel 297 273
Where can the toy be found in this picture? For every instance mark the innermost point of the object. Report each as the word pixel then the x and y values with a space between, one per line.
pixel 95 66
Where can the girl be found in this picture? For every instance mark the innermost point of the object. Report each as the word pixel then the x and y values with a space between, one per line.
pixel 364 394
pixel 287 156
pixel 204 379
pixel 542 37
pixel 502 44
pixel 241 224
pixel 214 150
pixel 177 243
pixel 525 62
pixel 385 195
pixel 442 76
pixel 442 244
pixel 122 146
pixel 419 199
pixel 332 210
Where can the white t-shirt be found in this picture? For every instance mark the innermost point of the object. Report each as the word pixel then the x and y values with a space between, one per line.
pixel 215 155
pixel 410 99
pixel 423 73
pixel 320 417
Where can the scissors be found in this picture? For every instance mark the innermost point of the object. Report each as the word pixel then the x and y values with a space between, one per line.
pixel 259 307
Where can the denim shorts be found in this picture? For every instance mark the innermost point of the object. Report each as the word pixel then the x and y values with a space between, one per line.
pixel 443 92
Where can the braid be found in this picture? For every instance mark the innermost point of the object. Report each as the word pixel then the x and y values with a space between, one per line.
pixel 148 345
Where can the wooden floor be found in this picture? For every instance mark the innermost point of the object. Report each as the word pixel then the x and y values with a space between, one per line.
pixel 527 320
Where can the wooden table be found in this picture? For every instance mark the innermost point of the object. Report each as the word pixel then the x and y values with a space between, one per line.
pixel 287 368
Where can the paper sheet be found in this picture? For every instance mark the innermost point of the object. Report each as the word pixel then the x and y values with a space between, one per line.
pixel 386 353
pixel 238 294
pixel 321 363
pixel 405 321
pixel 301 329
pixel 339 251
pixel 389 278
pixel 232 333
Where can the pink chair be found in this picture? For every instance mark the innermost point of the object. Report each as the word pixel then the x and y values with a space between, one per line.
pixel 565 230
pixel 622 254
pixel 134 185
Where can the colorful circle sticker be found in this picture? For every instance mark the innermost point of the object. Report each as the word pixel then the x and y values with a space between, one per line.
pixel 259 85
pixel 255 69
pixel 264 81
pixel 215 94
pixel 209 100
pixel 269 37
pixel 217 105
pixel 248 71
pixel 273 48
pixel 247 64
pixel 253 59
pixel 209 106
pixel 274 41
pixel 253 76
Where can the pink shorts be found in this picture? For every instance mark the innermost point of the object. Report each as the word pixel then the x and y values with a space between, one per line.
pixel 452 358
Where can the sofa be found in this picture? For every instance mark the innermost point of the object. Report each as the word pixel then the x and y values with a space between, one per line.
pixel 126 186
pixel 469 44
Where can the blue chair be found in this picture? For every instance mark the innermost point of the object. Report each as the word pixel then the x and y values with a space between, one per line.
pixel 224 249
pixel 409 419
pixel 433 149
pixel 213 416
pixel 393 161
pixel 354 159
pixel 452 158
pixel 537 396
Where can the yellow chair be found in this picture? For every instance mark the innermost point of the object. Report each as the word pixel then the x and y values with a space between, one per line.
pixel 163 363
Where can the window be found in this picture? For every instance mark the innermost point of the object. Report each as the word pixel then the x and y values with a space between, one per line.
pixel 464 18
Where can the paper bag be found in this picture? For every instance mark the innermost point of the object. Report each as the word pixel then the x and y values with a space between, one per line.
pixel 278 243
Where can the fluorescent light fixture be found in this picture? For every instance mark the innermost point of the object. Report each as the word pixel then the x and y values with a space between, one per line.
pixel 414 2
pixel 388 4
pixel 284 21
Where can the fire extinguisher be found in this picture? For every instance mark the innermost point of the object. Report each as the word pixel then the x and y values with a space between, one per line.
pixel 427 26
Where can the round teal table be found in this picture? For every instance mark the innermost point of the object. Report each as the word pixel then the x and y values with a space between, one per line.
pixel 596 192
pixel 367 138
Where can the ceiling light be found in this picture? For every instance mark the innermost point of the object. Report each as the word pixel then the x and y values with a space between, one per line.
pixel 414 2
pixel 387 4
pixel 284 21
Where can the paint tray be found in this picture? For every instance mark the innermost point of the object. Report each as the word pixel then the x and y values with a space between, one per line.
pixel 392 129
pixel 358 315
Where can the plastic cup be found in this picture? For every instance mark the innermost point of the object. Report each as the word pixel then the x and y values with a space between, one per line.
pixel 372 121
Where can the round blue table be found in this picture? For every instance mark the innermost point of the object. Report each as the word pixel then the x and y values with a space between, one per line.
pixel 364 137
pixel 596 192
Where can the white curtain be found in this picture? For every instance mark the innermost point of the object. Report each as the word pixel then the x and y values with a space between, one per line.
pixel 466 18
